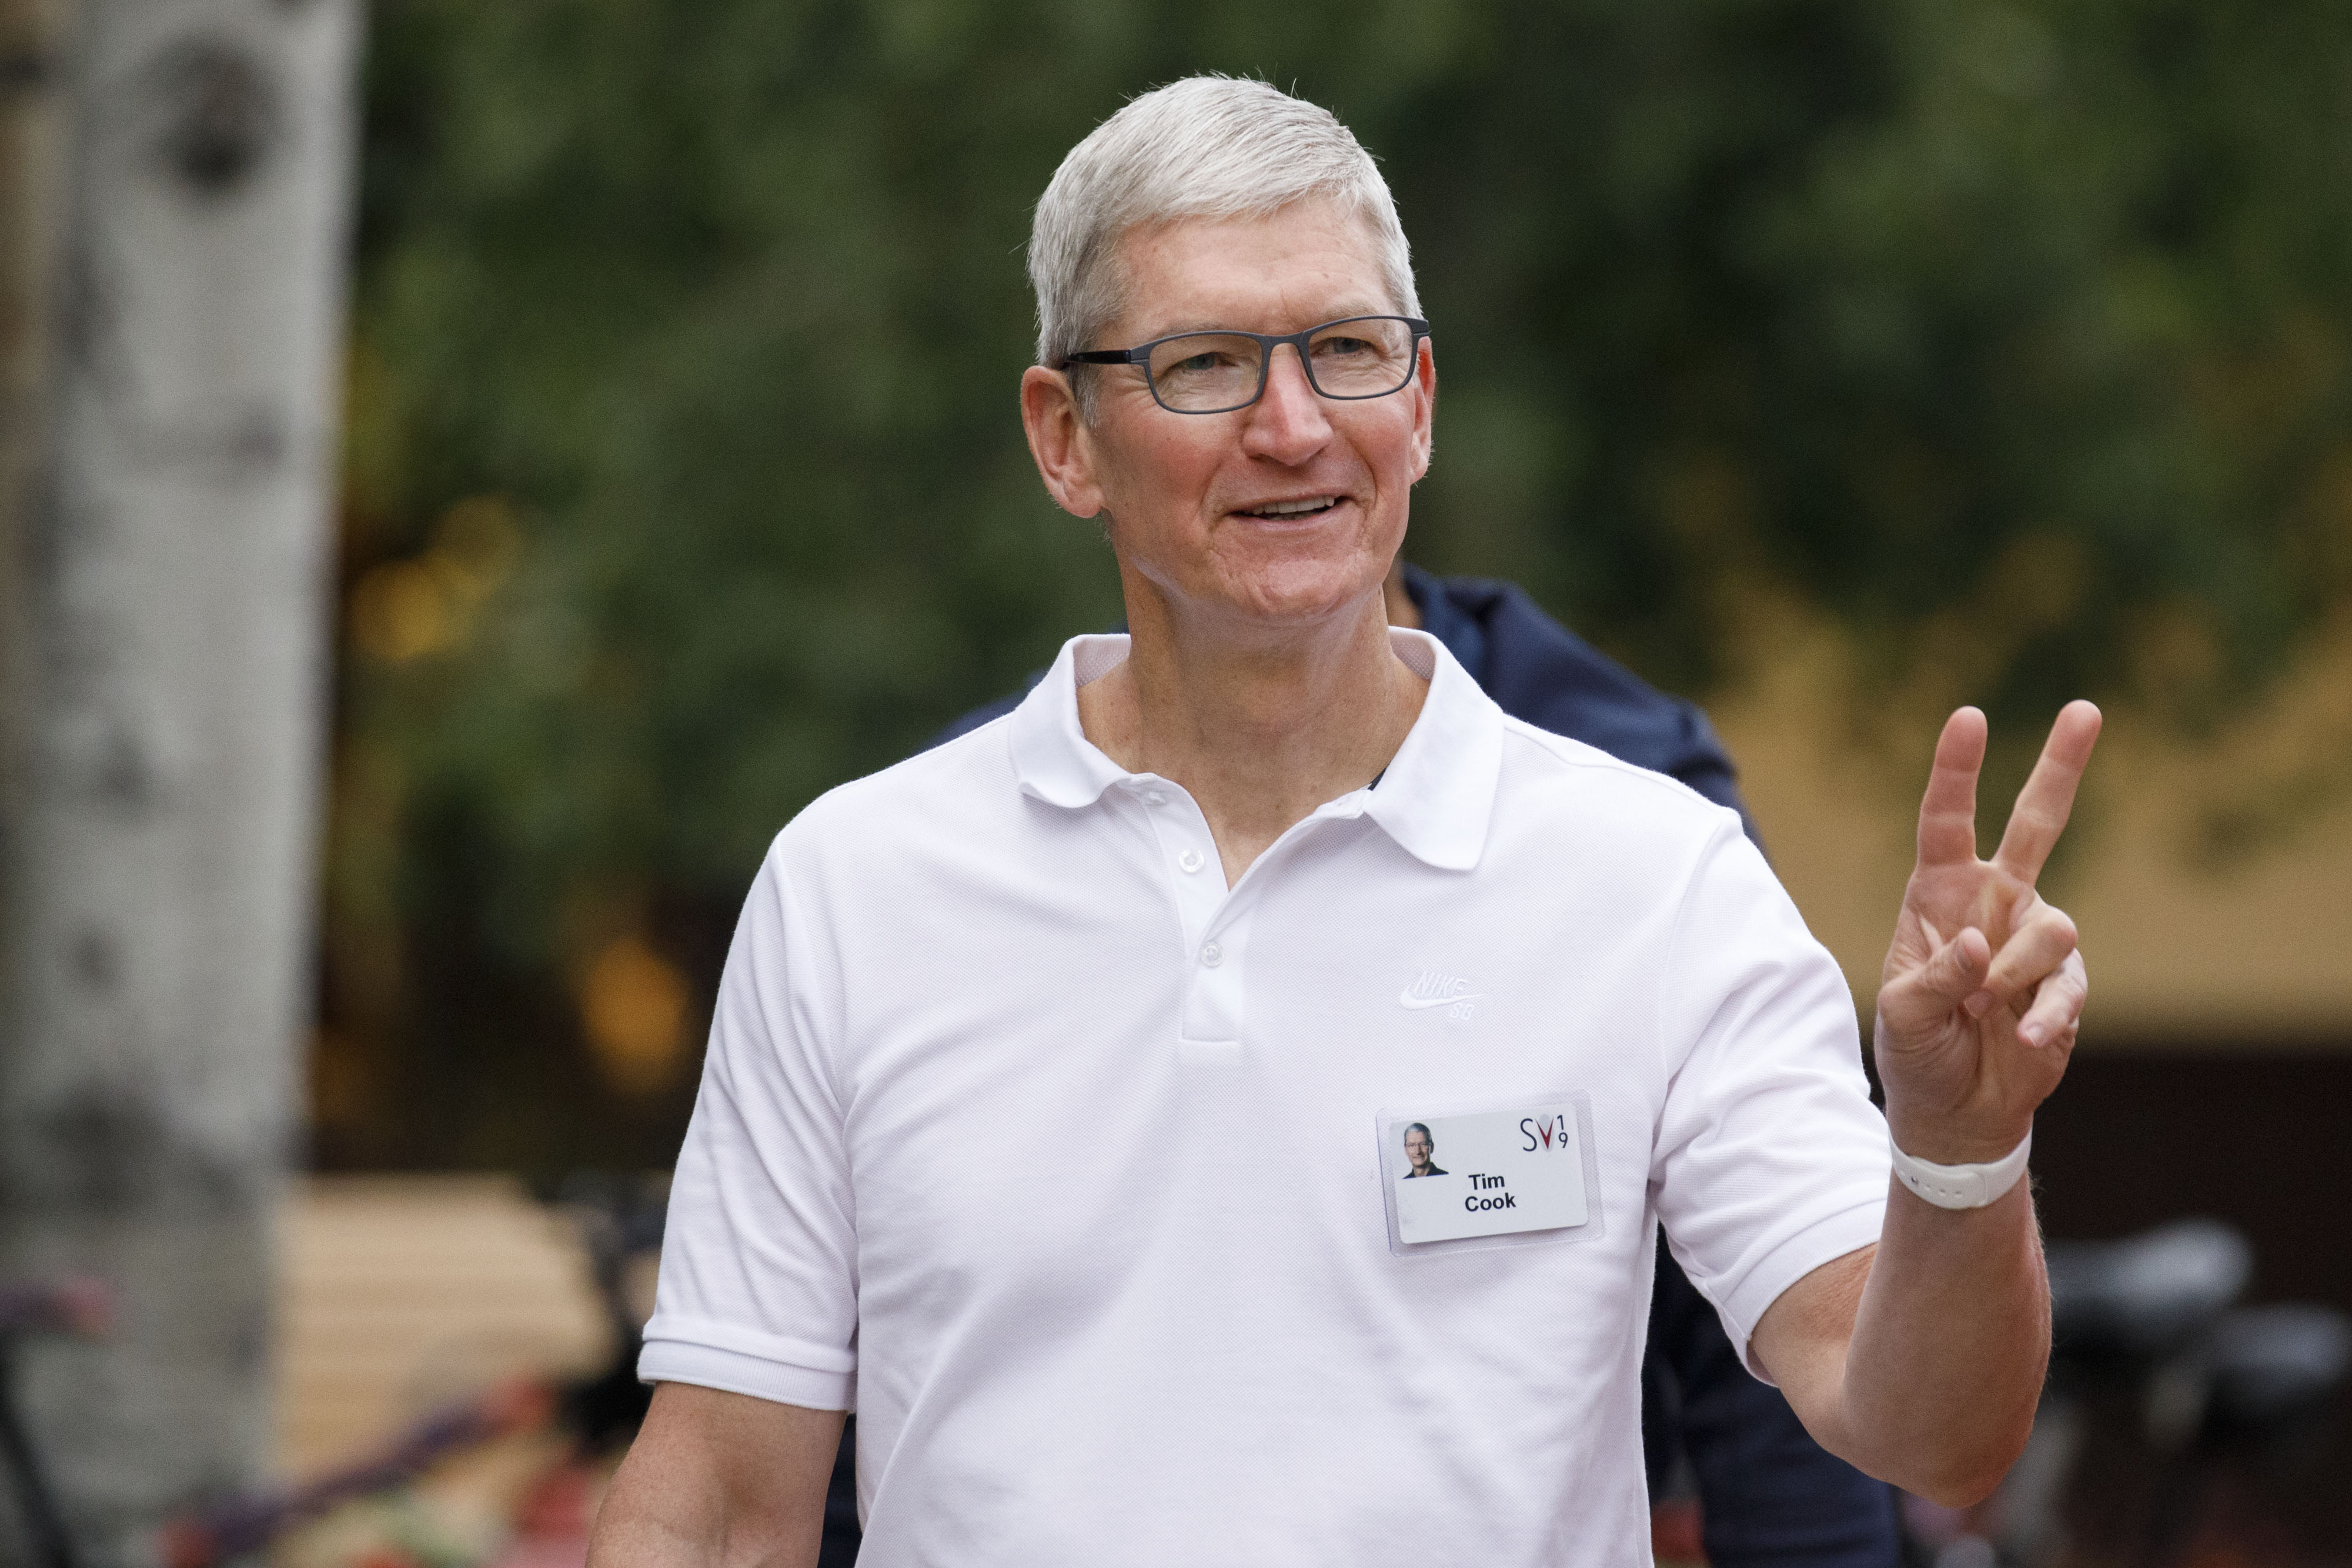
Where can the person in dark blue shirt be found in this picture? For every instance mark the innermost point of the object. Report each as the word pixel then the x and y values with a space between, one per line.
pixel 1770 1496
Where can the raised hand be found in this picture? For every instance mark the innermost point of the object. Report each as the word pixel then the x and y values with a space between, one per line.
pixel 1983 986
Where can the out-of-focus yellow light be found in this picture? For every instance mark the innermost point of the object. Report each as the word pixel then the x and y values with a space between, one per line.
pixel 633 1002
pixel 401 611
pixel 405 609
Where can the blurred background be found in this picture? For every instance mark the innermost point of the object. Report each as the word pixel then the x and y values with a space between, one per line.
pixel 648 462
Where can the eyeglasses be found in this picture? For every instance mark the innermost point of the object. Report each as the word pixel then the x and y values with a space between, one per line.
pixel 1217 373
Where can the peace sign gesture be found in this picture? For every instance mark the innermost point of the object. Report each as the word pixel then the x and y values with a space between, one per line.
pixel 1983 986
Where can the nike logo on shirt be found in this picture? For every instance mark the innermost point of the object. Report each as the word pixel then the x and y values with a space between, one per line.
pixel 1407 999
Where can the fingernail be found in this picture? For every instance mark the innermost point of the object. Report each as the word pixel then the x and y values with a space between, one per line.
pixel 2032 1034
pixel 1977 1005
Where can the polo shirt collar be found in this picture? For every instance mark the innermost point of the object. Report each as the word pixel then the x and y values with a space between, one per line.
pixel 1434 799
pixel 1051 754
pixel 1439 789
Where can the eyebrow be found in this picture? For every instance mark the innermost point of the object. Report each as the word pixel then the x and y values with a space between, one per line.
pixel 1202 324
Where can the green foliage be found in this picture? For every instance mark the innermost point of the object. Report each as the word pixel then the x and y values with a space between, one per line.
pixel 2027 318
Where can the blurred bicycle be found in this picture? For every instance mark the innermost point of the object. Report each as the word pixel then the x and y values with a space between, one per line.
pixel 583 1420
pixel 2165 1389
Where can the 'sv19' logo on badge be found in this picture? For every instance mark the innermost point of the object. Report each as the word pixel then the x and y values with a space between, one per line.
pixel 1545 1134
pixel 1435 990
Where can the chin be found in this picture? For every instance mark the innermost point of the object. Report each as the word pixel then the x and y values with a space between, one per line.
pixel 1301 586
pixel 1302 593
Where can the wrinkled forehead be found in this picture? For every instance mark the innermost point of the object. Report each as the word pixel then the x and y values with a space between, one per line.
pixel 1311 261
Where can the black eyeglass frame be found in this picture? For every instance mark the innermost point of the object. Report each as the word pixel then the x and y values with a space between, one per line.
pixel 1267 342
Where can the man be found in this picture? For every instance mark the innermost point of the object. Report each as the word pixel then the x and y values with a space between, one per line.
pixel 1770 1495
pixel 1417 1151
pixel 1187 1333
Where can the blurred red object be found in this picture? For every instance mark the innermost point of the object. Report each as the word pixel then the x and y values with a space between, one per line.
pixel 1675 1532
pixel 563 1503
pixel 551 1527
pixel 387 1557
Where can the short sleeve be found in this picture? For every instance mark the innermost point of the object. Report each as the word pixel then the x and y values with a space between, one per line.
pixel 758 1292
pixel 1770 1160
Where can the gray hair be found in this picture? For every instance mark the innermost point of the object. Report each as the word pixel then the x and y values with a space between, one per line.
pixel 1205 147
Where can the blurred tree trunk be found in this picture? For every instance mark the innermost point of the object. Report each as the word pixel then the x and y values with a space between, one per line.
pixel 168 532
pixel 31 118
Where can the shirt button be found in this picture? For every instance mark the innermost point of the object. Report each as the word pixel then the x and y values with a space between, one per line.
pixel 1213 954
pixel 1154 797
pixel 1191 860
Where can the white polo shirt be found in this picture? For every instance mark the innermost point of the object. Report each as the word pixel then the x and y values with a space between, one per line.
pixel 1082 1177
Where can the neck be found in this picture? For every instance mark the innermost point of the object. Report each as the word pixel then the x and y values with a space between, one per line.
pixel 1260 727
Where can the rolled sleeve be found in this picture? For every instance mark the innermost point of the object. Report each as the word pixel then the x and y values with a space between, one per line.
pixel 771 1372
pixel 1770 1160
pixel 758 1292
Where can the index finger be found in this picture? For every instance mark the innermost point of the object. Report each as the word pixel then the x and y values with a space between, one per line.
pixel 1947 811
pixel 2048 798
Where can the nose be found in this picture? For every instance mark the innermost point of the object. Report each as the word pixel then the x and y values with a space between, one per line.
pixel 1287 425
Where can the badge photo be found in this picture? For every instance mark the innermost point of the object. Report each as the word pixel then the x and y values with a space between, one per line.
pixel 1523 1173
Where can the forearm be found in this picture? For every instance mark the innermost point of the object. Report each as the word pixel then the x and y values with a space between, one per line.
pixel 1936 1387
pixel 643 1532
pixel 718 1480
pixel 1951 1344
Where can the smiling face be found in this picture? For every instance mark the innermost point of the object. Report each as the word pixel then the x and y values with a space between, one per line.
pixel 1282 514
pixel 1417 1149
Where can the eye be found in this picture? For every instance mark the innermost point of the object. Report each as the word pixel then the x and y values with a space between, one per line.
pixel 1335 348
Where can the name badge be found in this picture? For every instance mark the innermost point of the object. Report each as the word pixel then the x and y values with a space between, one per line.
pixel 1494 1172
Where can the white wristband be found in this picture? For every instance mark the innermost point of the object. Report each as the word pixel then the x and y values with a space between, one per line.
pixel 1961 1186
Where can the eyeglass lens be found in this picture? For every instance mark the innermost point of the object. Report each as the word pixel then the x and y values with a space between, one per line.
pixel 1207 372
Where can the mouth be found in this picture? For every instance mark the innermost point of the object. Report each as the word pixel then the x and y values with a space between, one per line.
pixel 1291 511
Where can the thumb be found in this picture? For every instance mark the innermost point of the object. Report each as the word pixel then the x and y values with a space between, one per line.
pixel 1951 977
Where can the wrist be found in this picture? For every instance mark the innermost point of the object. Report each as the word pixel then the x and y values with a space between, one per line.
pixel 1971 1185
pixel 1955 1140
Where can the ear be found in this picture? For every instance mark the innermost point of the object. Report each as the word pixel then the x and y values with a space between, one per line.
pixel 1058 440
pixel 1423 391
